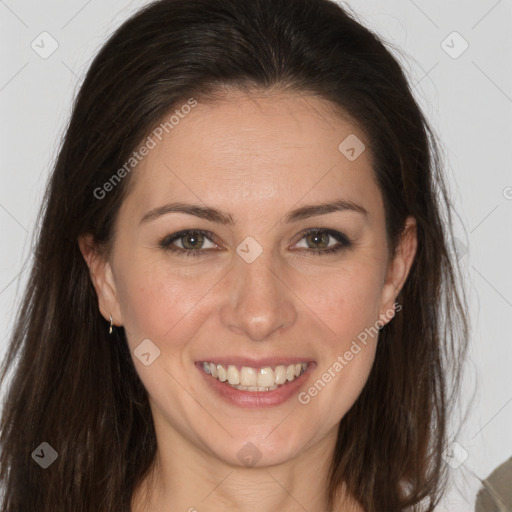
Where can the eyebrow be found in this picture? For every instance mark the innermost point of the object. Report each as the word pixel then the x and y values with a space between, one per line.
pixel 214 215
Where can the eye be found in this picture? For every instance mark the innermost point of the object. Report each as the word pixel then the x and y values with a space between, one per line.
pixel 192 242
pixel 321 237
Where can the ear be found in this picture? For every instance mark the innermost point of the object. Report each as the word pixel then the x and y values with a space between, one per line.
pixel 398 269
pixel 102 279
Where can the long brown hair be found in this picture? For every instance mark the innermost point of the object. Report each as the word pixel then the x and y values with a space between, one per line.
pixel 75 389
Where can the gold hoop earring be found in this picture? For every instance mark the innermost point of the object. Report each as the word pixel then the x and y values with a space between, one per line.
pixel 111 325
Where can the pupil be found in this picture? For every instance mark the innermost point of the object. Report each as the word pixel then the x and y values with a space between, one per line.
pixel 192 240
pixel 319 237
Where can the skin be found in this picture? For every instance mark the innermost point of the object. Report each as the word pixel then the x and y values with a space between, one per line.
pixel 256 157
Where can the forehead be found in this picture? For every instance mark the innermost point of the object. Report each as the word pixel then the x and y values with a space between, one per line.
pixel 256 149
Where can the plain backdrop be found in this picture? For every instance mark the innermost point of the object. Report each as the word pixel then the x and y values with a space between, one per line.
pixel 457 55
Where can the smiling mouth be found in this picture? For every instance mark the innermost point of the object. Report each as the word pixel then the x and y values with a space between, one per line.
pixel 247 378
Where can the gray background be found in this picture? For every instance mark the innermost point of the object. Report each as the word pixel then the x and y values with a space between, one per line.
pixel 466 97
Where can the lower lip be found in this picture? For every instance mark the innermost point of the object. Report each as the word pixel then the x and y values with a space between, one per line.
pixel 256 398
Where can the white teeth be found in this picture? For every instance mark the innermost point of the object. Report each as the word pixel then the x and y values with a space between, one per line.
pixel 222 374
pixel 256 388
pixel 280 374
pixel 266 377
pixel 248 377
pixel 233 375
pixel 254 379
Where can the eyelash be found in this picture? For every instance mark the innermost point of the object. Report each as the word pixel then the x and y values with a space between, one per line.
pixel 165 243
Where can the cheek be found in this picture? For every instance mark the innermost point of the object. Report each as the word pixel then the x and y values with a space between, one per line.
pixel 348 303
pixel 158 302
pixel 346 299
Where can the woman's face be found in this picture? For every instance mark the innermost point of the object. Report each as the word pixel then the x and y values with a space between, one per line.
pixel 264 298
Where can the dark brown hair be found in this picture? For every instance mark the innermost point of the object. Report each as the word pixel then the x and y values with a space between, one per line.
pixel 77 390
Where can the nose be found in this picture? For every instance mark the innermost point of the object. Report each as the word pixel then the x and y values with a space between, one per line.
pixel 258 301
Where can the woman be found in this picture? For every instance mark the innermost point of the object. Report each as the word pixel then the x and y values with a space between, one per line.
pixel 242 296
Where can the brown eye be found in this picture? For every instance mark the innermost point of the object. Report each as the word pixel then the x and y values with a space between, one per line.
pixel 192 242
pixel 320 239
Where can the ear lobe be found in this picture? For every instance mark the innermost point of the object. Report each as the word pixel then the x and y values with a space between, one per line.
pixel 102 279
pixel 399 267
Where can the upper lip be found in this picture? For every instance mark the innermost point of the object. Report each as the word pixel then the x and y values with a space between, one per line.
pixel 256 363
